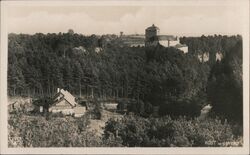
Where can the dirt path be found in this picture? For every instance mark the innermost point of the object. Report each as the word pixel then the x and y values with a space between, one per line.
pixel 98 125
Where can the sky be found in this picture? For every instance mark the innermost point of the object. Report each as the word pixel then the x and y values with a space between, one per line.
pixel 174 19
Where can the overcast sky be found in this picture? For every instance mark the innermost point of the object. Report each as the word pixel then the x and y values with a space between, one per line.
pixel 171 19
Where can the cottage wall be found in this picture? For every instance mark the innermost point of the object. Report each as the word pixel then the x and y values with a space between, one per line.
pixel 111 106
pixel 79 111
pixel 62 106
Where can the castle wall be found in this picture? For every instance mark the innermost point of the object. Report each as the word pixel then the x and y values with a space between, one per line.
pixel 184 49
pixel 174 42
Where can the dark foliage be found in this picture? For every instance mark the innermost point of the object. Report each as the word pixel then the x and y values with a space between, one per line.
pixel 134 131
pixel 225 87
pixel 177 83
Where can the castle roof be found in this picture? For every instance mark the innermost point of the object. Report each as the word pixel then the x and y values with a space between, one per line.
pixel 167 37
pixel 153 27
pixel 180 45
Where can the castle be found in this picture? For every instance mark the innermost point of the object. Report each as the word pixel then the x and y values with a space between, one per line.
pixel 152 38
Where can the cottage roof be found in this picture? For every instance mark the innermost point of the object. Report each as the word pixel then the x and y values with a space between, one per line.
pixel 67 96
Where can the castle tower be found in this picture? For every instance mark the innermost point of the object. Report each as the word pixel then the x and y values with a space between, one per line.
pixel 121 34
pixel 151 34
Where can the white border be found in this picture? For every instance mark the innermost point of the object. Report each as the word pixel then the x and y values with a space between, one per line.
pixel 3 82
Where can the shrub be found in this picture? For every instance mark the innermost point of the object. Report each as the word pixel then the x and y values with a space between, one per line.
pixel 14 140
pixel 161 132
pixel 131 130
pixel 36 131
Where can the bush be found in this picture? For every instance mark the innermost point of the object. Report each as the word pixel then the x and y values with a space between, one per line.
pixel 144 109
pixel 34 131
pixel 136 131
pixel 14 140
pixel 130 131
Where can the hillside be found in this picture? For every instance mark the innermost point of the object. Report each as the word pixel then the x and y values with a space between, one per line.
pixel 154 77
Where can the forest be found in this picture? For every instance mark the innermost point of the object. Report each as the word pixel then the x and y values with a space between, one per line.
pixel 162 89
pixel 178 83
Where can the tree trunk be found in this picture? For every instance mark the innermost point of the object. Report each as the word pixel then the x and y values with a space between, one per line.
pixel 86 90
pixel 14 91
pixel 80 89
pixel 92 92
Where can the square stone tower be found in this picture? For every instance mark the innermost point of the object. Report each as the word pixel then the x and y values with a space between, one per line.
pixel 151 36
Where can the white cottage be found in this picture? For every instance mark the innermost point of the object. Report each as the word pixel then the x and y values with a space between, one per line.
pixel 65 103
